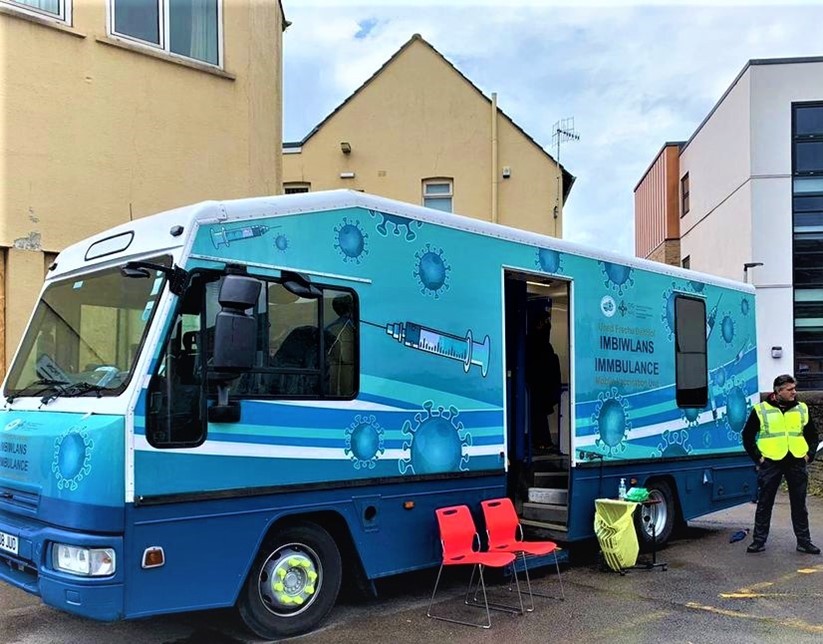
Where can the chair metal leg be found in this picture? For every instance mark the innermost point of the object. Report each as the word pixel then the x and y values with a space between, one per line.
pixel 506 608
pixel 488 623
pixel 559 580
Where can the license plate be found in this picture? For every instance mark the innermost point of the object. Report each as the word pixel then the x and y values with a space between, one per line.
pixel 8 542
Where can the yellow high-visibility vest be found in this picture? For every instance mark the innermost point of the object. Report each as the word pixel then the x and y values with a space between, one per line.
pixel 781 433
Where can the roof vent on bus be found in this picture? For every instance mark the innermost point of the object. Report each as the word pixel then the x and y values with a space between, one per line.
pixel 176 231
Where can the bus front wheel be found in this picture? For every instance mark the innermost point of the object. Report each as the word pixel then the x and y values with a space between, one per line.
pixel 293 583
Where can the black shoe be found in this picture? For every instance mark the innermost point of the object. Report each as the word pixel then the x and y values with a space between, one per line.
pixel 809 548
pixel 755 546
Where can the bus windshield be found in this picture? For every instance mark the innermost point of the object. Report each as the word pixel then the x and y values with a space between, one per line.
pixel 86 334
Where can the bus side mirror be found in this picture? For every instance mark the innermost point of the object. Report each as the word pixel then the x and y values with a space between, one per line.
pixel 235 332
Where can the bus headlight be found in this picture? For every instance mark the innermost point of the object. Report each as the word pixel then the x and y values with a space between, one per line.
pixel 87 562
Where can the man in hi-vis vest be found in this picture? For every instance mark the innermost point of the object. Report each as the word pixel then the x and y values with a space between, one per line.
pixel 781 439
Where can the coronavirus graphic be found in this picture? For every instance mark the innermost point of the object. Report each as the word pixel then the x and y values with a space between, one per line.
pixel 727 329
pixel 281 243
pixel 745 306
pixel 611 420
pixel 667 316
pixel 548 261
pixel 397 223
pixel 72 458
pixel 719 377
pixel 673 443
pixel 432 271
pixel 692 416
pixel 697 287
pixel 350 241
pixel 738 407
pixel 618 276
pixel 364 442
pixel 436 442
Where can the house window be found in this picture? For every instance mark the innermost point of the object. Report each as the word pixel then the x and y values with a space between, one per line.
pixel 295 187
pixel 691 365
pixel 686 262
pixel 189 28
pixel 684 194
pixel 438 194
pixel 56 9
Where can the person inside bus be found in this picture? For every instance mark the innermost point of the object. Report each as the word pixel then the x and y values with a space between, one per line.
pixel 341 351
pixel 542 375
pixel 781 438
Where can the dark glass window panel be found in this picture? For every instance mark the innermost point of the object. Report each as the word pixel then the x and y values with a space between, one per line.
pixel 691 368
pixel 803 310
pixel 690 322
pixel 808 220
pixel 138 18
pixel 810 349
pixel 807 203
pixel 807 380
pixel 808 120
pixel 808 156
pixel 193 29
pixel 808 276
pixel 808 260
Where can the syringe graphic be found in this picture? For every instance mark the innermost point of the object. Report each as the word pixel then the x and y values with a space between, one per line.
pixel 466 350
pixel 225 236
pixel 712 316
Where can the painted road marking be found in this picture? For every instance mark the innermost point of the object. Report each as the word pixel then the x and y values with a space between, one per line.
pixel 797 624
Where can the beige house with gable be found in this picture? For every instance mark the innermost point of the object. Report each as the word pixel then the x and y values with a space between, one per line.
pixel 420 131
pixel 116 109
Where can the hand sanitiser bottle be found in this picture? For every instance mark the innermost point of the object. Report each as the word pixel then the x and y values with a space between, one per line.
pixel 621 491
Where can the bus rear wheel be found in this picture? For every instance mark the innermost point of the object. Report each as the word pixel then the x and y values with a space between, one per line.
pixel 293 583
pixel 654 522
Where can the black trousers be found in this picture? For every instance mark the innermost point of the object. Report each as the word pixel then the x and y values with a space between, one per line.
pixel 539 411
pixel 769 475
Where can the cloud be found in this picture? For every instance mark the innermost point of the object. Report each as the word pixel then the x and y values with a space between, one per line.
pixel 632 76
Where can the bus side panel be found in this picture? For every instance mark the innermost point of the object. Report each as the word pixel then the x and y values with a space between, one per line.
pixel 701 485
pixel 626 405
pixel 209 546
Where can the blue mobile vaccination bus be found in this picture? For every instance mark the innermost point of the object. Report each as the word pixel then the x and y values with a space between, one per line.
pixel 246 403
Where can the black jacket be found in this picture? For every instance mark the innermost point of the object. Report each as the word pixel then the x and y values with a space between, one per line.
pixel 753 427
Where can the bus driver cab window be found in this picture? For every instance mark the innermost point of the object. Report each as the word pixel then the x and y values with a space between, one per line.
pixel 176 414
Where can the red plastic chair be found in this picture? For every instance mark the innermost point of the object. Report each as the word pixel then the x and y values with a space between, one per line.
pixel 458 536
pixel 506 536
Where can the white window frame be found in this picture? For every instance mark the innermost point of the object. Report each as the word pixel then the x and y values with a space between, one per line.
pixel 447 181
pixel 164 33
pixel 64 14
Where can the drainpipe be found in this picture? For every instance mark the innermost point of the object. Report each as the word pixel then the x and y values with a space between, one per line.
pixel 494 157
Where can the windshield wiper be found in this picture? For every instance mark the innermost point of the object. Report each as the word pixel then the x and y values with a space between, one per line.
pixel 73 390
pixel 80 388
pixel 46 384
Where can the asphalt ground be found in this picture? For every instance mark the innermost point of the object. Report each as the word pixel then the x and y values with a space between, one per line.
pixel 712 591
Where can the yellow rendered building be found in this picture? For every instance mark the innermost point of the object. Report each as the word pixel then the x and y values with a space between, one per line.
pixel 116 109
pixel 420 131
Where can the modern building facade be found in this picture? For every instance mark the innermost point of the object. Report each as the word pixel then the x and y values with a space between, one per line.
pixel 420 131
pixel 750 195
pixel 115 109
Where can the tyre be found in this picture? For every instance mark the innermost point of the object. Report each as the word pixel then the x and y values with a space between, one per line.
pixel 655 522
pixel 293 582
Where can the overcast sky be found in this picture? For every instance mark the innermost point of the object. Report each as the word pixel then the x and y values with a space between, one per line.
pixel 633 75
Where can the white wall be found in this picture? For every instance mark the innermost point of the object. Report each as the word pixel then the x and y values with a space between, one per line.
pixel 739 165
pixel 717 158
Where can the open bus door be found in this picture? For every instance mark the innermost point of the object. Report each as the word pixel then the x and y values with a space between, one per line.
pixel 538 434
